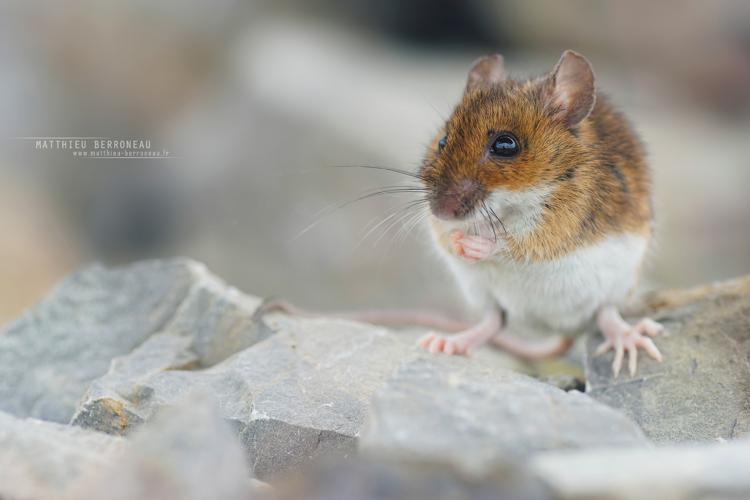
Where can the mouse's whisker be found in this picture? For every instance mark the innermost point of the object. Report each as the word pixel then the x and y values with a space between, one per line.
pixel 387 229
pixel 488 219
pixel 399 221
pixel 407 227
pixel 386 169
pixel 399 213
pixel 499 220
pixel 381 191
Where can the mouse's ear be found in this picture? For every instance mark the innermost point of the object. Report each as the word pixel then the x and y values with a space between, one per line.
pixel 569 89
pixel 485 72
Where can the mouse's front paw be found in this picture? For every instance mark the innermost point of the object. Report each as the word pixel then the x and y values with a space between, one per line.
pixel 472 248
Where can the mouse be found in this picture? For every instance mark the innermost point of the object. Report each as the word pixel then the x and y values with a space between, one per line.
pixel 540 204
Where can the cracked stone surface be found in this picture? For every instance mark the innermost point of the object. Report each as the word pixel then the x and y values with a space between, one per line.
pixel 306 392
pixel 477 416
pixel 371 478
pixel 44 460
pixel 118 350
pixel 301 393
pixel 188 451
pixel 684 472
pixel 702 389
pixel 50 356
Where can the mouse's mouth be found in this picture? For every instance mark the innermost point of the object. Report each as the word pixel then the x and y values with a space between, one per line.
pixel 472 214
pixel 459 201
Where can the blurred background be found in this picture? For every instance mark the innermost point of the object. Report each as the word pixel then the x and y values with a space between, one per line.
pixel 257 99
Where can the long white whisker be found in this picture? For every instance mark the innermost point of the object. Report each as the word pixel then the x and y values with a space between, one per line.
pixel 370 193
pixel 392 225
pixel 401 211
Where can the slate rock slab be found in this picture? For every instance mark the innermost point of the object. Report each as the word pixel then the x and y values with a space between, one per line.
pixel 51 354
pixel 677 472
pixel 477 416
pixel 43 460
pixel 370 478
pixel 702 389
pixel 186 452
pixel 301 393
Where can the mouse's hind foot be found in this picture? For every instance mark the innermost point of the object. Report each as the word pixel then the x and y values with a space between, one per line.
pixel 623 338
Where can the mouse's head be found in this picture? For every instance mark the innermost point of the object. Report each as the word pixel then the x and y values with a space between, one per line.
pixel 508 143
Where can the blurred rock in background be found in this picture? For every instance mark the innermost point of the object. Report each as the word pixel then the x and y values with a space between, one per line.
pixel 258 99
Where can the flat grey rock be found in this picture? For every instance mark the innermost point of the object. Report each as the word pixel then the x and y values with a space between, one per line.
pixel 701 391
pixel 678 472
pixel 186 452
pixel 50 356
pixel 44 460
pixel 300 393
pixel 120 350
pixel 371 478
pixel 476 416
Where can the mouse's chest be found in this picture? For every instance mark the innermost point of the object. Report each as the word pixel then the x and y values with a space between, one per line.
pixel 564 293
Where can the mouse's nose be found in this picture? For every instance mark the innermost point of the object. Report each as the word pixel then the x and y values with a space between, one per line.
pixel 457 201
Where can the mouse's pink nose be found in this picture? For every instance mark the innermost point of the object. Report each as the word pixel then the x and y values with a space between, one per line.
pixel 446 207
pixel 457 201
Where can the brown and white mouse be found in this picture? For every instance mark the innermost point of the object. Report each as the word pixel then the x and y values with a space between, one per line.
pixel 540 205
pixel 540 199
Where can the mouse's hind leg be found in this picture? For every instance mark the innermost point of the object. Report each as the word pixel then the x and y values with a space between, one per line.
pixel 533 350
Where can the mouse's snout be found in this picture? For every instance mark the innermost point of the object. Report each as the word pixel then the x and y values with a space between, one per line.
pixel 456 201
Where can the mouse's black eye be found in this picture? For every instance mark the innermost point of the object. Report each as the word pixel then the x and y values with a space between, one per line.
pixel 442 142
pixel 505 146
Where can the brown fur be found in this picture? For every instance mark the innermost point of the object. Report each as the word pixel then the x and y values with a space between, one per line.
pixel 596 168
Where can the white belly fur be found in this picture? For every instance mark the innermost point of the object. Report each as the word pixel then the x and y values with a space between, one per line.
pixel 559 296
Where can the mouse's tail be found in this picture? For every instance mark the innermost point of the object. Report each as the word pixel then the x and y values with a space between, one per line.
pixel 381 317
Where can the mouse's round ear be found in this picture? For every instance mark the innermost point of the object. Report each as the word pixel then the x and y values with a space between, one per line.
pixel 486 72
pixel 569 88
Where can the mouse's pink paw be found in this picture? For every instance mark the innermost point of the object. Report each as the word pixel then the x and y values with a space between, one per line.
pixel 453 344
pixel 472 248
pixel 622 337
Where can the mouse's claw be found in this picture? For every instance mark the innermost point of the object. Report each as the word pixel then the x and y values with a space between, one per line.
pixel 626 339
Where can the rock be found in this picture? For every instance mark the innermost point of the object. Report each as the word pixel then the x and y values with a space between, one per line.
pixel 367 478
pixel 301 393
pixel 42 460
pixel 476 416
pixel 49 356
pixel 127 342
pixel 305 392
pixel 683 472
pixel 702 389
pixel 187 452
pixel 123 348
